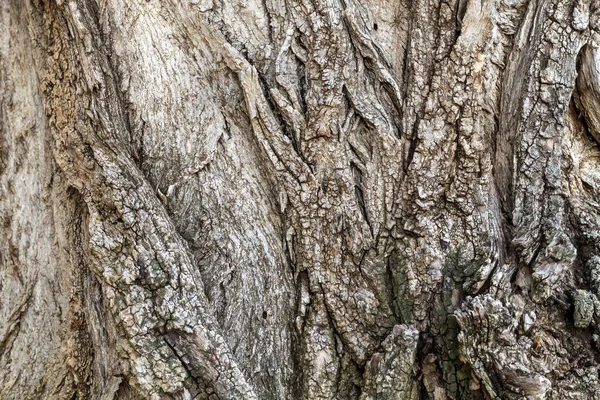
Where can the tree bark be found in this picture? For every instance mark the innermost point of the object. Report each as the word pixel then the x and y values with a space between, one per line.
pixel 285 199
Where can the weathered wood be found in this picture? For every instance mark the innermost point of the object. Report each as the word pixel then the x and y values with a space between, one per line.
pixel 320 199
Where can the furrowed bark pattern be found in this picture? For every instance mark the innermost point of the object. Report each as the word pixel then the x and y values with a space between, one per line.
pixel 316 199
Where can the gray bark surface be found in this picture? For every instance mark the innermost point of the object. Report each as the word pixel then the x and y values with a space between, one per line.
pixel 299 199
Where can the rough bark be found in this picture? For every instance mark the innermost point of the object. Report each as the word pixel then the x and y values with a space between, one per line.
pixel 299 199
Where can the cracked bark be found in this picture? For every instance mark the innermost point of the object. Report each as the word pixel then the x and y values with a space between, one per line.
pixel 321 199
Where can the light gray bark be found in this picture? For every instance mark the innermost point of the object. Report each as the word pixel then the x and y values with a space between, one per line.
pixel 316 199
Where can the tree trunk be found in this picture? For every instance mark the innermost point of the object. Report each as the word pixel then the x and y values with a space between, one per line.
pixel 286 199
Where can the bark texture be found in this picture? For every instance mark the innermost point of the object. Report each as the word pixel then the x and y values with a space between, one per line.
pixel 299 199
